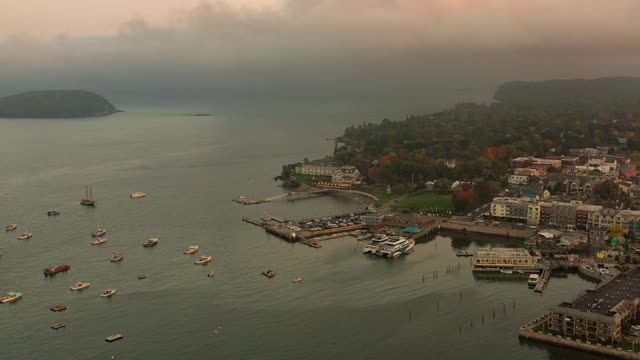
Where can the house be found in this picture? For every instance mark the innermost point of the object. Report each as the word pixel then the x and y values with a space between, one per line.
pixel 346 175
pixel 450 163
pixel 518 179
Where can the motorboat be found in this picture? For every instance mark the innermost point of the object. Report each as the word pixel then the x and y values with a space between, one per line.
pixel 203 260
pixel 533 280
pixel 297 280
pixel 269 273
pixel 150 242
pixel 11 227
pixel 11 297
pixel 99 233
pixel 79 286
pixel 506 271
pixel 58 307
pixel 374 244
pixel 108 293
pixel 211 274
pixel 58 326
pixel 191 250
pixel 52 270
pixel 395 247
pixel 53 212
pixel 266 218
pixel 99 241
pixel 137 195
pixel 112 338
pixel 117 257
pixel 25 236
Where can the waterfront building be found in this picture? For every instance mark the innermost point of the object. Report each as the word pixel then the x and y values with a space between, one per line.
pixel 533 214
pixel 563 215
pixel 505 258
pixel 585 214
pixel 600 315
pixel 628 219
pixel 510 208
pixel 372 220
pixel 346 175
pixel 316 169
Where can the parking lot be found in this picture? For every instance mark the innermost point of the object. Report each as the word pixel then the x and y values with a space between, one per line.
pixel 328 222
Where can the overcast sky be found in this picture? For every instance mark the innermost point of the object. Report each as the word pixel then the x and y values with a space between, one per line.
pixel 331 48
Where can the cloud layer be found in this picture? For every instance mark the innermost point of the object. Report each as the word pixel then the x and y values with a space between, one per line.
pixel 334 47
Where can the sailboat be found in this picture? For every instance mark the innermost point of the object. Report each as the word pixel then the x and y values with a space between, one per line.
pixel 88 199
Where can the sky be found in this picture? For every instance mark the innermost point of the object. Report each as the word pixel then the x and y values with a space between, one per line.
pixel 322 49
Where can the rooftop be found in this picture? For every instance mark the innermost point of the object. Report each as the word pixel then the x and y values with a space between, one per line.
pixel 625 286
pixel 502 252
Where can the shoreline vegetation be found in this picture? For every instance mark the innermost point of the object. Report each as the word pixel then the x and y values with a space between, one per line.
pixel 55 104
pixel 465 151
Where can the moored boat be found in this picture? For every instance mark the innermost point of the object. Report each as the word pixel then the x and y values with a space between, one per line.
pixel 269 273
pixel 266 218
pixel 11 297
pixel 112 338
pixel 58 326
pixel 88 199
pixel 137 195
pixel 150 242
pixel 10 227
pixel 142 277
pixel 108 293
pixel 506 271
pixel 297 280
pixel 374 244
pixel 99 232
pixel 533 280
pixel 117 257
pixel 203 260
pixel 210 274
pixel 463 253
pixel 191 250
pixel 25 236
pixel 53 212
pixel 52 270
pixel 79 286
pixel 395 247
pixel 99 241
pixel 58 307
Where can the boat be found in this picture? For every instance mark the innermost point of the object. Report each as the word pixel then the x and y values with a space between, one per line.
pixel 266 218
pixel 506 271
pixel 191 250
pixel 365 236
pixel 79 286
pixel 99 232
pixel 269 273
pixel 395 247
pixel 137 195
pixel 11 297
pixel 25 236
pixel 58 307
pixel 108 293
pixel 533 280
pixel 52 270
pixel 117 257
pixel 374 244
pixel 141 277
pixel 210 274
pixel 53 212
pixel 88 199
pixel 58 326
pixel 204 260
pixel 112 338
pixel 99 241
pixel 463 253
pixel 150 242
pixel 10 227
pixel 297 280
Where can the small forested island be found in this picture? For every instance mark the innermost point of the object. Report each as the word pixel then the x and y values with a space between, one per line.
pixel 55 104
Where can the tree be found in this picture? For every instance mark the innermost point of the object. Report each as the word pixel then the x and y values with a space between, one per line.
pixel 486 190
pixel 444 184
pixel 616 231
pixel 607 190
pixel 464 200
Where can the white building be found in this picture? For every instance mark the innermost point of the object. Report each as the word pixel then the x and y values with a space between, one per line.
pixel 346 175
pixel 316 170
pixel 518 179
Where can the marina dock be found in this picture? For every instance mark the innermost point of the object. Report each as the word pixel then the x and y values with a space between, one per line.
pixel 544 279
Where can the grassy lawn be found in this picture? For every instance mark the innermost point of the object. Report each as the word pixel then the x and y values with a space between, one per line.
pixel 426 201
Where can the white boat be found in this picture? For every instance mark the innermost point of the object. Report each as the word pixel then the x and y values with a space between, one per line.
pixel 25 236
pixel 191 250
pixel 506 271
pixel 99 241
pixel 533 280
pixel 297 280
pixel 99 232
pixel 374 244
pixel 11 297
pixel 79 286
pixel 108 293
pixel 150 242
pixel 10 227
pixel 395 247
pixel 137 195
pixel 203 260
pixel 117 257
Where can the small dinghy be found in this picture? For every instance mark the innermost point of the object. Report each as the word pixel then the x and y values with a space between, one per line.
pixel 99 241
pixel 25 236
pixel 203 260
pixel 108 293
pixel 150 243
pixel 297 280
pixel 191 250
pixel 79 286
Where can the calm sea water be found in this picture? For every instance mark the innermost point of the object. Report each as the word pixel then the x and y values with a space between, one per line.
pixel 348 306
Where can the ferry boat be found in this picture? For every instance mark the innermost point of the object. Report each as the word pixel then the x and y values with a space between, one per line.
pixel 99 232
pixel 99 241
pixel 204 260
pixel 52 270
pixel 25 236
pixel 117 257
pixel 269 273
pixel 533 280
pixel 137 195
pixel 79 286
pixel 150 242
pixel 53 212
pixel 88 199
pixel 191 250
pixel 108 293
pixel 375 244
pixel 10 227
pixel 11 297
pixel 463 253
pixel 397 247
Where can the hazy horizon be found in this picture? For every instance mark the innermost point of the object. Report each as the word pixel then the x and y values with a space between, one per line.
pixel 367 51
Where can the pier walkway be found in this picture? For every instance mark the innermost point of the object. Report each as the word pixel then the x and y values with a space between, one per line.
pixel 244 201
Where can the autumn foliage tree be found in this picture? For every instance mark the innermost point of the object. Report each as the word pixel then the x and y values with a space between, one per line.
pixel 464 200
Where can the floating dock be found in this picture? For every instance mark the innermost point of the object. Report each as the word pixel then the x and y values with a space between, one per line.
pixel 113 338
